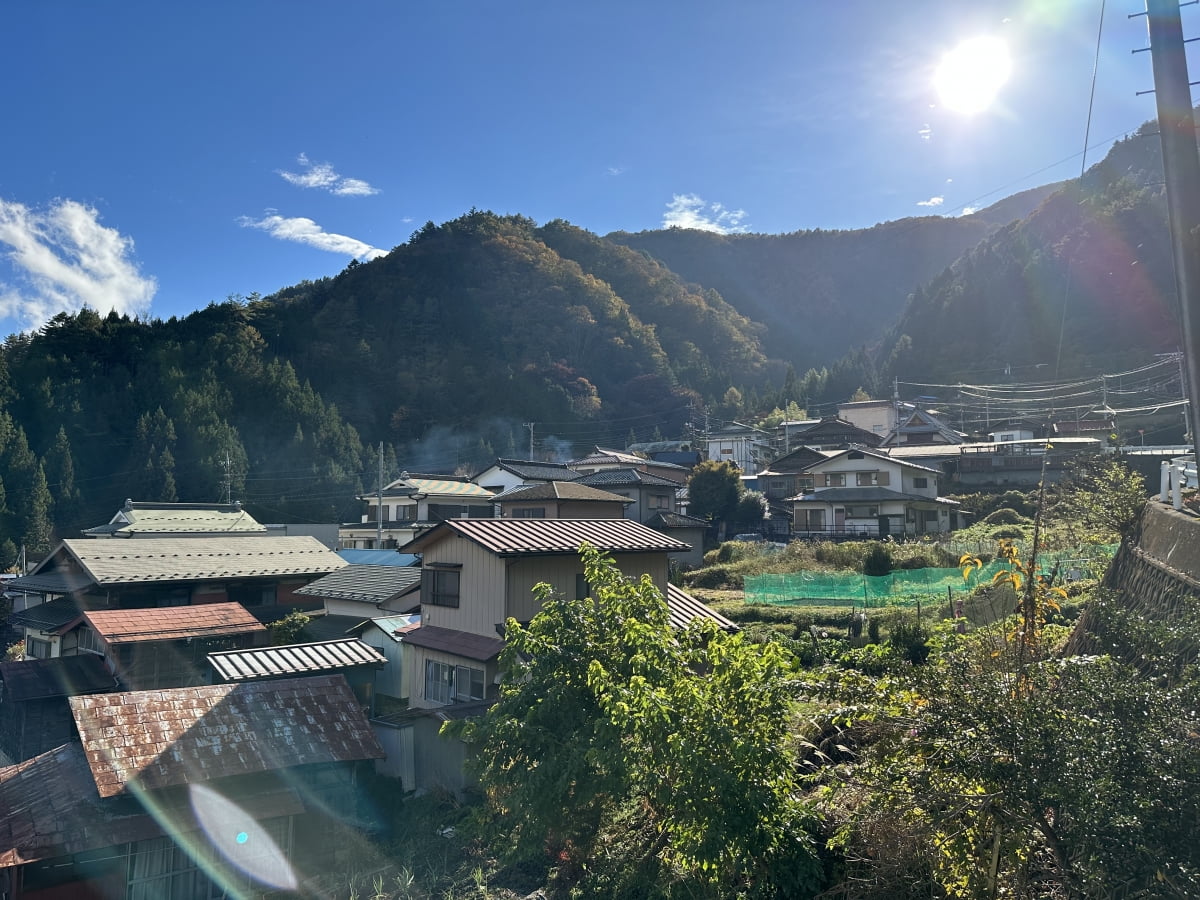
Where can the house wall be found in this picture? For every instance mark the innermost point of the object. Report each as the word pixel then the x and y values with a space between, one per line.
pixel 560 572
pixel 390 679
pixel 414 672
pixel 899 477
pixel 481 587
pixel 878 416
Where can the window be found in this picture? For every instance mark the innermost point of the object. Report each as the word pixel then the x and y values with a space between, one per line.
pixel 90 641
pixel 36 648
pixel 835 479
pixel 530 512
pixel 810 519
pixel 660 501
pixel 805 484
pixel 870 479
pixel 446 683
pixel 439 585
pixel 920 482
pixel 582 588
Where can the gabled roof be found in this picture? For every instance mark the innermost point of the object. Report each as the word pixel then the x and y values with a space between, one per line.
pixel 922 422
pixel 871 454
pixel 193 559
pixel 795 461
pixel 407 485
pixel 560 490
pixel 294 659
pixel 606 455
pixel 833 428
pixel 366 584
pixel 532 470
pixel 150 519
pixel 52 581
pixel 534 537
pixel 62 676
pixel 172 623
pixel 625 477
pixel 478 647
pixel 184 735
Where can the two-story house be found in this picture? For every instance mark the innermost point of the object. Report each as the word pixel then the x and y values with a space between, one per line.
pixel 648 494
pixel 745 446
pixel 506 474
pixel 867 493
pixel 412 504
pixel 604 459
pixel 561 500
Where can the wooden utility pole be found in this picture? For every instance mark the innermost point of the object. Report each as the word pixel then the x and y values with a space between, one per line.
pixel 1181 170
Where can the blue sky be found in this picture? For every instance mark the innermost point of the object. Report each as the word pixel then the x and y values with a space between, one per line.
pixel 161 156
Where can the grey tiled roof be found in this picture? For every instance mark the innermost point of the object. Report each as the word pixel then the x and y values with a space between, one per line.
pixel 612 477
pixel 49 616
pixel 532 537
pixel 866 495
pixel 294 659
pixel 368 584
pixel 675 520
pixel 184 735
pixel 179 518
pixel 194 559
pixel 531 470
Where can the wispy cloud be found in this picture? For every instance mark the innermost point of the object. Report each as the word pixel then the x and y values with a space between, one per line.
pixel 691 211
pixel 64 260
pixel 932 201
pixel 323 177
pixel 925 132
pixel 306 231
pixel 617 170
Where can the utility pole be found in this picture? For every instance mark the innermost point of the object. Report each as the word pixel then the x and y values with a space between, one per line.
pixel 379 503
pixel 530 426
pixel 227 480
pixel 1181 168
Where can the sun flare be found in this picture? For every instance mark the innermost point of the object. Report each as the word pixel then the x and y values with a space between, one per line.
pixel 970 76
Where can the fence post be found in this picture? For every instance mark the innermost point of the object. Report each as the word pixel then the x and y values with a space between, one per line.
pixel 1164 481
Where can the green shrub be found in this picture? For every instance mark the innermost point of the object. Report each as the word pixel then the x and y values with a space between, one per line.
pixel 1008 531
pixel 1005 516
pixel 878 560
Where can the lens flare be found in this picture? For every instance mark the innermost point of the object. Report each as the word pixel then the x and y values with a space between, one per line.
pixel 240 840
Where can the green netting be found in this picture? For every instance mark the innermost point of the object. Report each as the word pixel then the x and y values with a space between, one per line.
pixel 906 585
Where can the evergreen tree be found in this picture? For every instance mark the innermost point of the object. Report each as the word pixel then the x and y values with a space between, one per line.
pixel 60 476
pixel 37 531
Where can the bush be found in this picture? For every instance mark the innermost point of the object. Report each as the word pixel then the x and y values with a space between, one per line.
pixel 1008 531
pixel 713 577
pixel 1005 516
pixel 907 637
pixel 878 560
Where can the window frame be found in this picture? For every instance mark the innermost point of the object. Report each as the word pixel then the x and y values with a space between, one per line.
pixel 436 589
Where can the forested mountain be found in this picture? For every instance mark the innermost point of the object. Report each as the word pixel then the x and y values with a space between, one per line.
pixel 443 349
pixel 818 293
pixel 1083 284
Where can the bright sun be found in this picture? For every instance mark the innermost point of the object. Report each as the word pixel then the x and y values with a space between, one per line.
pixel 969 76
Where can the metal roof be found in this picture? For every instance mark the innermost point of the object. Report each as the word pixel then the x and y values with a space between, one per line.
pixel 461 643
pixel 394 627
pixel 531 537
pixel 560 490
pixel 62 676
pixel 675 520
pixel 196 558
pixel 866 495
pixel 872 453
pixel 184 735
pixel 179 518
pixel 294 659
pixel 682 608
pixel 172 623
pixel 532 470
pixel 367 584
pixel 54 581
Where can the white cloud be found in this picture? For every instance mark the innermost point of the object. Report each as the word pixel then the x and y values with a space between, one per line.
pixel 306 231
pixel 690 211
pixel 925 132
pixel 323 177
pixel 65 260
pixel 617 170
pixel 932 201
pixel 968 210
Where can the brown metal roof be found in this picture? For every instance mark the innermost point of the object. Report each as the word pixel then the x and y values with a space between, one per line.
pixel 294 659
pixel 172 623
pixel 532 537
pixel 461 643
pixel 110 562
pixel 62 676
pixel 51 809
pixel 184 735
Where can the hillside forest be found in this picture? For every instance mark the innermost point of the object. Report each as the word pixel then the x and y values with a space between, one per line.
pixel 441 350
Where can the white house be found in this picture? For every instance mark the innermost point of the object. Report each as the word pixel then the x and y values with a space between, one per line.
pixel 864 492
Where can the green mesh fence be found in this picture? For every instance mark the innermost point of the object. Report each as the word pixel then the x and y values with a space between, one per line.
pixel 905 585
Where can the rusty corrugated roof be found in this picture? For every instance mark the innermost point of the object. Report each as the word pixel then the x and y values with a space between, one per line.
pixel 169 737
pixel 172 623
pixel 51 809
pixel 294 659
pixel 109 562
pixel 532 537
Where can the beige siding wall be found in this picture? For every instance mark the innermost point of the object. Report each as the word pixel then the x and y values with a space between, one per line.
pixel 414 673
pixel 560 572
pixel 481 588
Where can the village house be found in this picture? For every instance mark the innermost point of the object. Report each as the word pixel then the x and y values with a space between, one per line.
pixel 136 519
pixel 603 459
pixel 478 573
pixel 649 494
pixel 506 474
pixel 745 446
pixel 832 433
pixel 210 791
pixel 869 494
pixel 410 505
pixel 89 574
